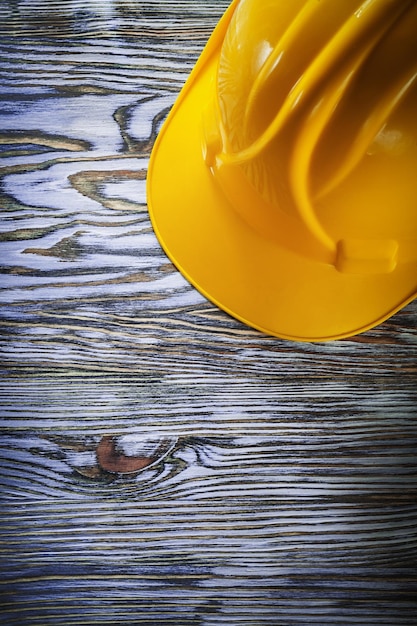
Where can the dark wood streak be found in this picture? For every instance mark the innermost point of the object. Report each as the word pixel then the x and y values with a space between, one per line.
pixel 159 461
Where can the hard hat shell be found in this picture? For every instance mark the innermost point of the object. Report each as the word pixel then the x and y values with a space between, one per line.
pixel 283 183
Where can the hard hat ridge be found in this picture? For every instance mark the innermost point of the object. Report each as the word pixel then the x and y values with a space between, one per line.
pixel 341 49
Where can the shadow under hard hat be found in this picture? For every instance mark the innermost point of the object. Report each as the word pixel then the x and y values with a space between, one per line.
pixel 283 184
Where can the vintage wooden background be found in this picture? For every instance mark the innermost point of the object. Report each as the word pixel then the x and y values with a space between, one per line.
pixel 160 462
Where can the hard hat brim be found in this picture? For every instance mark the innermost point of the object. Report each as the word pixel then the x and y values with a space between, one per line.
pixel 254 279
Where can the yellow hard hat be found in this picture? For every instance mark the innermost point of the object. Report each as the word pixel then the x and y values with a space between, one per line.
pixel 283 184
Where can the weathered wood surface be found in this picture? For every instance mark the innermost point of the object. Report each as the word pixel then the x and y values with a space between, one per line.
pixel 159 460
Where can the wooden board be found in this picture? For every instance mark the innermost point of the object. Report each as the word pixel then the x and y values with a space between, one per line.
pixel 159 460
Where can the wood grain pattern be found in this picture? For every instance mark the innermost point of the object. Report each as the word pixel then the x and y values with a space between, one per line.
pixel 159 461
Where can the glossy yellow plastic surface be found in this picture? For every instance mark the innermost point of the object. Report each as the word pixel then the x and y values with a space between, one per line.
pixel 283 184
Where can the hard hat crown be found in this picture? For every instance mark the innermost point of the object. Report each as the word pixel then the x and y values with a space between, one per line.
pixel 314 114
